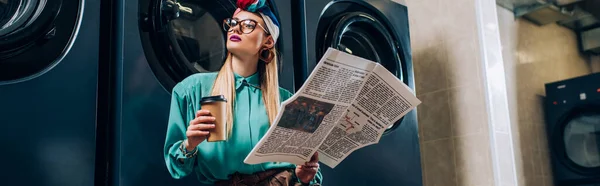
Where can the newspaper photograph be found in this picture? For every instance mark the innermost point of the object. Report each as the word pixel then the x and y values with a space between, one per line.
pixel 346 103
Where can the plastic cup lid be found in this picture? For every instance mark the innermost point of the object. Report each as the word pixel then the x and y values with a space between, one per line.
pixel 210 99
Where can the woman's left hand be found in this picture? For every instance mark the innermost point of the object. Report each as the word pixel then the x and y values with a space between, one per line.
pixel 307 172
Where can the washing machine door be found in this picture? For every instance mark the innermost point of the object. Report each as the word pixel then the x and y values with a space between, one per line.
pixel 34 36
pixel 185 37
pixel 376 30
pixel 579 142
pixel 359 30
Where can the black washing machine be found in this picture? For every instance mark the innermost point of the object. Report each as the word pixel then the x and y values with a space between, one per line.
pixel 49 63
pixel 377 30
pixel 572 109
pixel 160 43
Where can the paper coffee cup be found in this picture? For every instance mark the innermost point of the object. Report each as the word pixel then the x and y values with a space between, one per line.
pixel 217 107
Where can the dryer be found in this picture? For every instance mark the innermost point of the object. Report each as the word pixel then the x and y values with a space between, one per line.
pixel 49 63
pixel 377 30
pixel 160 43
pixel 572 109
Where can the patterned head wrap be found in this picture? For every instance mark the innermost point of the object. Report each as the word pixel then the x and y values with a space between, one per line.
pixel 260 6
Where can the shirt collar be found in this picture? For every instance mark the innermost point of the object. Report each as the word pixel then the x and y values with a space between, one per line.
pixel 253 81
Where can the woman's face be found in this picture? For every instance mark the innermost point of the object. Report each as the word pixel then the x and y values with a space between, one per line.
pixel 247 35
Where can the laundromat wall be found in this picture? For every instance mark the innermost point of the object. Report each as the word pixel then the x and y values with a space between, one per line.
pixel 595 63
pixel 461 143
pixel 534 55
pixel 454 137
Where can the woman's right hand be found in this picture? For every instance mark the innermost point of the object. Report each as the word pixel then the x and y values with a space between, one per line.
pixel 197 131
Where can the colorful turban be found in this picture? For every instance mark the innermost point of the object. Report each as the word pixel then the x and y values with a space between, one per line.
pixel 261 7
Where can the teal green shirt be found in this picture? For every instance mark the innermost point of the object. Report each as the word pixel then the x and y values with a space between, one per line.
pixel 217 160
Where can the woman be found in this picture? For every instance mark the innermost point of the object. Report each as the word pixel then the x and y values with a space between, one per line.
pixel 248 80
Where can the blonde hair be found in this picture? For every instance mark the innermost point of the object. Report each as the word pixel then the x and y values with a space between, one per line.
pixel 269 85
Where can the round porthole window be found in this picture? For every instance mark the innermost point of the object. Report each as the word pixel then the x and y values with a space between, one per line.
pixel 34 35
pixel 181 38
pixel 582 140
pixel 577 139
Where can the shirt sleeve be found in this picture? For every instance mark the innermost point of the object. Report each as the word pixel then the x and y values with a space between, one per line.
pixel 178 165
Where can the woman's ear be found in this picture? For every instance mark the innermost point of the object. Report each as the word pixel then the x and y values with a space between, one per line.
pixel 269 42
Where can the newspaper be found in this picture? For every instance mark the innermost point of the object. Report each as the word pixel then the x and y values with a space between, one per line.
pixel 346 103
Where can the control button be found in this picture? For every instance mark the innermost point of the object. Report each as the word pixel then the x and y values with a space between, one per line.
pixel 582 96
pixel 564 101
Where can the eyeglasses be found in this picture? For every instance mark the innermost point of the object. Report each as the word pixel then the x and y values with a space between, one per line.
pixel 246 25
